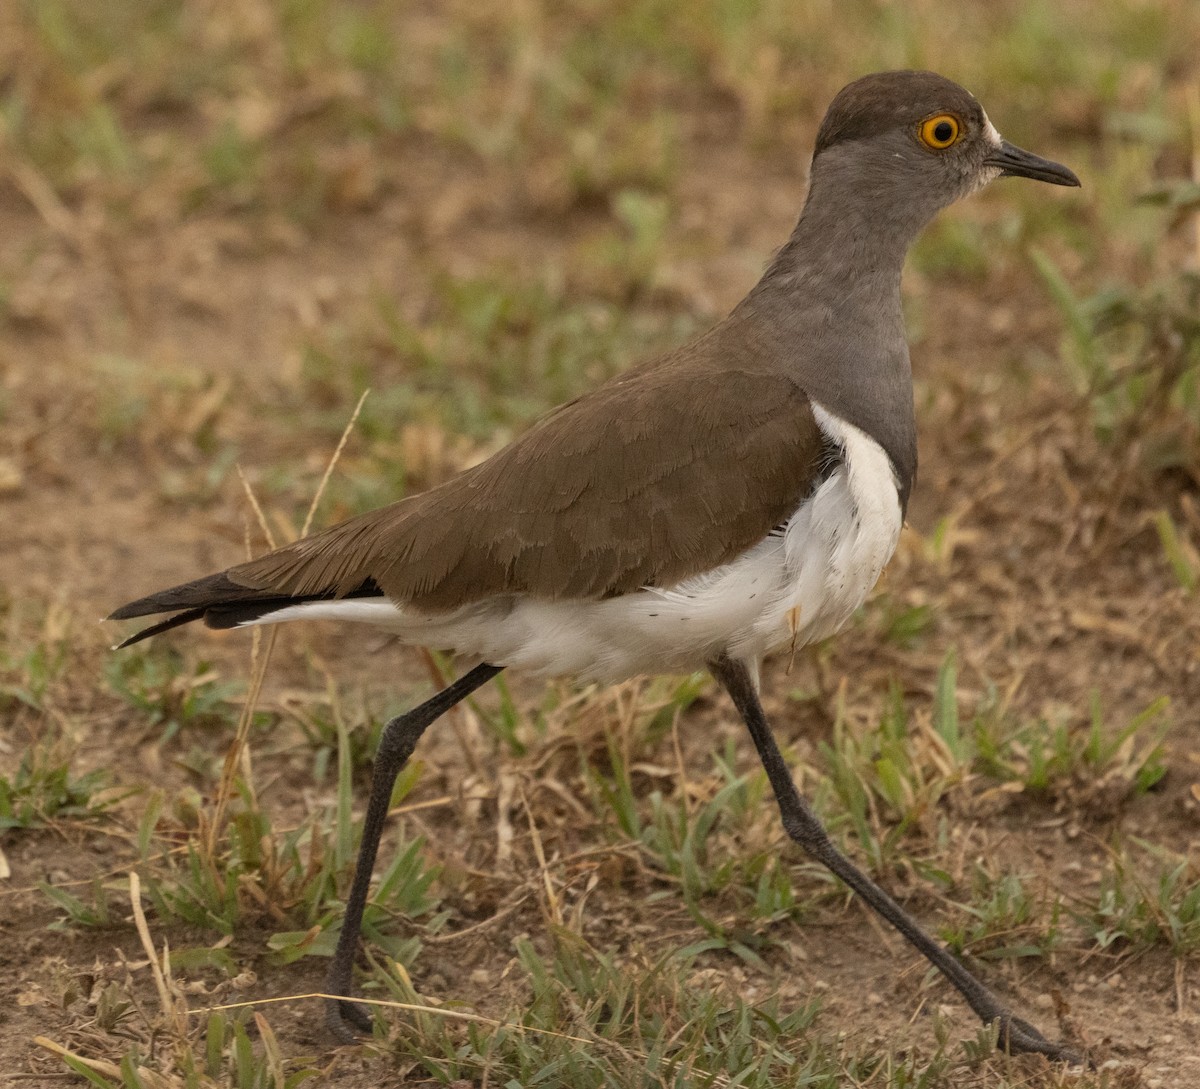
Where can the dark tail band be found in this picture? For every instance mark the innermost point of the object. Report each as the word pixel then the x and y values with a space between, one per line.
pixel 219 602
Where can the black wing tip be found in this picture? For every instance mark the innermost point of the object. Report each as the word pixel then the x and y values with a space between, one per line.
pixel 224 604
pixel 141 607
pixel 157 629
pixel 197 594
pixel 214 616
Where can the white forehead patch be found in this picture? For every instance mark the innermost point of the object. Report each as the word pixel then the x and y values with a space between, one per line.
pixel 989 173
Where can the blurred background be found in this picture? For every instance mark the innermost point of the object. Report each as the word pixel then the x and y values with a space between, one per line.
pixel 221 223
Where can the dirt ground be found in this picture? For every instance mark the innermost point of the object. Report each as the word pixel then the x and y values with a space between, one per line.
pixel 1031 549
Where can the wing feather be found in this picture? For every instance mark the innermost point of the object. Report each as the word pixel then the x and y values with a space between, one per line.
pixel 667 471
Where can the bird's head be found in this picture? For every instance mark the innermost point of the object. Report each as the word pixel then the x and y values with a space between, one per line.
pixel 906 144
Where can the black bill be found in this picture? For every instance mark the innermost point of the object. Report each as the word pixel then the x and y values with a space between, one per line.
pixel 1014 162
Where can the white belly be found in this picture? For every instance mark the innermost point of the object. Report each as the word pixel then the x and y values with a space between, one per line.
pixel 795 586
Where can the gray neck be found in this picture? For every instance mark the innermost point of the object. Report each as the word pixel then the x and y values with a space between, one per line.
pixel 828 308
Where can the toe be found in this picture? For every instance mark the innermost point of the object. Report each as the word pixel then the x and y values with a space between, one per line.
pixel 348 1021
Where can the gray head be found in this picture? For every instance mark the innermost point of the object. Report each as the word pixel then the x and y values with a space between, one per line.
pixel 909 143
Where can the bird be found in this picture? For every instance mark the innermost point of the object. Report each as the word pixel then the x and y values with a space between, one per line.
pixel 735 497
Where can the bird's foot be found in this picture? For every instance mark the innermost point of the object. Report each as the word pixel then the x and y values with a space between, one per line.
pixel 348 1021
pixel 1020 1037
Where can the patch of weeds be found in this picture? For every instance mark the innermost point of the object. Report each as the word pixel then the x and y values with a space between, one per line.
pixel 626 260
pixel 1136 359
pixel 404 896
pixel 171 408
pixel 617 155
pixel 150 108
pixel 559 100
pixel 286 878
pixel 233 168
pixel 99 143
pixel 223 1049
pixel 26 676
pixel 489 352
pixel 1144 905
pixel 890 778
pixel 322 723
pixel 43 790
pixel 258 874
pixel 1055 758
pixel 92 912
pixel 894 774
pixel 1004 920
pixel 525 335
pixel 683 839
pixel 904 625
pixel 700 835
pixel 593 1022
pixel 155 681
pixel 665 700
pixel 229 1055
pixel 504 723
pixel 1181 554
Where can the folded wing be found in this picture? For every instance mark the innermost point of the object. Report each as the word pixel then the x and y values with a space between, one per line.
pixel 656 476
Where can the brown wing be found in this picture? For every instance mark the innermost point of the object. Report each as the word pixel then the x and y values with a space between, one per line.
pixel 662 473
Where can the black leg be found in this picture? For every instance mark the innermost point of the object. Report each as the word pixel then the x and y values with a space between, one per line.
pixel 802 825
pixel 400 736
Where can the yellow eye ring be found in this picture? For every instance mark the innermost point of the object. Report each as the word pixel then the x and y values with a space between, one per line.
pixel 940 131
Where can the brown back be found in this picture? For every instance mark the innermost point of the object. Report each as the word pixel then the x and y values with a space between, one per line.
pixel 664 472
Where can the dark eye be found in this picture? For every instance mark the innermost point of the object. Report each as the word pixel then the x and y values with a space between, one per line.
pixel 940 132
